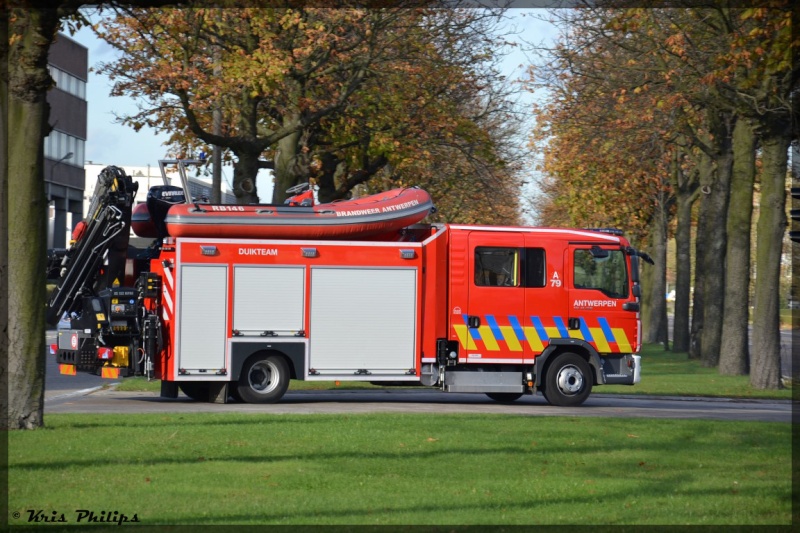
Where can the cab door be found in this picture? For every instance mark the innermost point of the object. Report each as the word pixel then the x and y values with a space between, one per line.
pixel 546 297
pixel 491 324
pixel 602 310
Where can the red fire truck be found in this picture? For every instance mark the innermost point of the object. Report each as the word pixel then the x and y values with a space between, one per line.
pixel 503 311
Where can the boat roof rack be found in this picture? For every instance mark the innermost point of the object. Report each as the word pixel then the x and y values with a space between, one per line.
pixel 610 231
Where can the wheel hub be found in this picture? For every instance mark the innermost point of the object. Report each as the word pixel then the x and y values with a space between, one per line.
pixel 570 380
pixel 259 377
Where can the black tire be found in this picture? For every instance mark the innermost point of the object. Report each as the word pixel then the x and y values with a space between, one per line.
pixel 195 390
pixel 233 392
pixel 264 379
pixel 504 397
pixel 568 380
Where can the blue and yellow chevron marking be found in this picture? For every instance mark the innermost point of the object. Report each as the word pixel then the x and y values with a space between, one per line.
pixel 506 333
pixel 495 336
pixel 537 323
pixel 586 332
pixel 615 335
pixel 517 327
pixel 466 338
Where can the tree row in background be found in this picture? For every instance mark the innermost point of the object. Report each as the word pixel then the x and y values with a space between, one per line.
pixel 659 119
pixel 344 97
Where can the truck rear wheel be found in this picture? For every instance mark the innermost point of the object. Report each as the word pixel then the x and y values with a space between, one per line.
pixel 264 379
pixel 504 397
pixel 567 380
pixel 197 391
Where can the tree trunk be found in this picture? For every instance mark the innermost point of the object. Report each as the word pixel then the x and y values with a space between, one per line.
pixel 4 422
pixel 765 370
pixel 27 214
pixel 27 230
pixel 245 171
pixel 284 167
pixel 326 178
pixel 216 175
pixel 716 202
pixel 734 357
pixel 698 303
pixel 656 330
pixel 684 197
pixel 216 151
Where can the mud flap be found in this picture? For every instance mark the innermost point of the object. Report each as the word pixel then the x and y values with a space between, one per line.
pixel 218 392
pixel 169 389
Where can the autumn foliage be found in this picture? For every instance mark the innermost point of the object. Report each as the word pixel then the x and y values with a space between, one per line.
pixel 649 106
pixel 340 96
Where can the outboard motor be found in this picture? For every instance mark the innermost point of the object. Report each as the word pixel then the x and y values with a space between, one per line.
pixel 159 199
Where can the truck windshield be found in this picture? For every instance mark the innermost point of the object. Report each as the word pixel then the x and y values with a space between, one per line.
pixel 608 274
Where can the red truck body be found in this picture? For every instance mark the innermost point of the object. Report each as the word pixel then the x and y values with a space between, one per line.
pixel 444 306
pixel 503 311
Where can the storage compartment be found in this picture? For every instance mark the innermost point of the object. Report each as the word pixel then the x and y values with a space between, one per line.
pixel 202 322
pixel 363 321
pixel 268 299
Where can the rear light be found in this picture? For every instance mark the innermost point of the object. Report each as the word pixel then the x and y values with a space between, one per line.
pixel 53 349
pixel 106 354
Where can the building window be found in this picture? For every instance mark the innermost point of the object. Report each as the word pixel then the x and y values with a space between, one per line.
pixel 58 144
pixel 68 83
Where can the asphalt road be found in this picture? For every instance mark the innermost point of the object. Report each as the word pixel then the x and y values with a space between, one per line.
pixel 86 394
pixel 403 400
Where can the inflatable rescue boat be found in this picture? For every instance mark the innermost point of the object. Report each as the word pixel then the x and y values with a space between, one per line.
pixel 362 217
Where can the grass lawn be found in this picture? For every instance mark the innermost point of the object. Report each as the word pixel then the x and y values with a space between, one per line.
pixel 674 374
pixel 663 373
pixel 397 469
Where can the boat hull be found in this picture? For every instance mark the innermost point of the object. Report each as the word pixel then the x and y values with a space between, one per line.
pixel 141 222
pixel 362 217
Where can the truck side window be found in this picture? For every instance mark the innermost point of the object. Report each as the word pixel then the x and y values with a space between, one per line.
pixel 496 267
pixel 535 267
pixel 607 274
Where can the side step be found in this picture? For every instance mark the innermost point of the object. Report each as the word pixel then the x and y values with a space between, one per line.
pixel 458 381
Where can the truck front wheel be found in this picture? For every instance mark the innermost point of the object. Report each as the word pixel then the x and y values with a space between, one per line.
pixel 504 397
pixel 567 381
pixel 264 379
